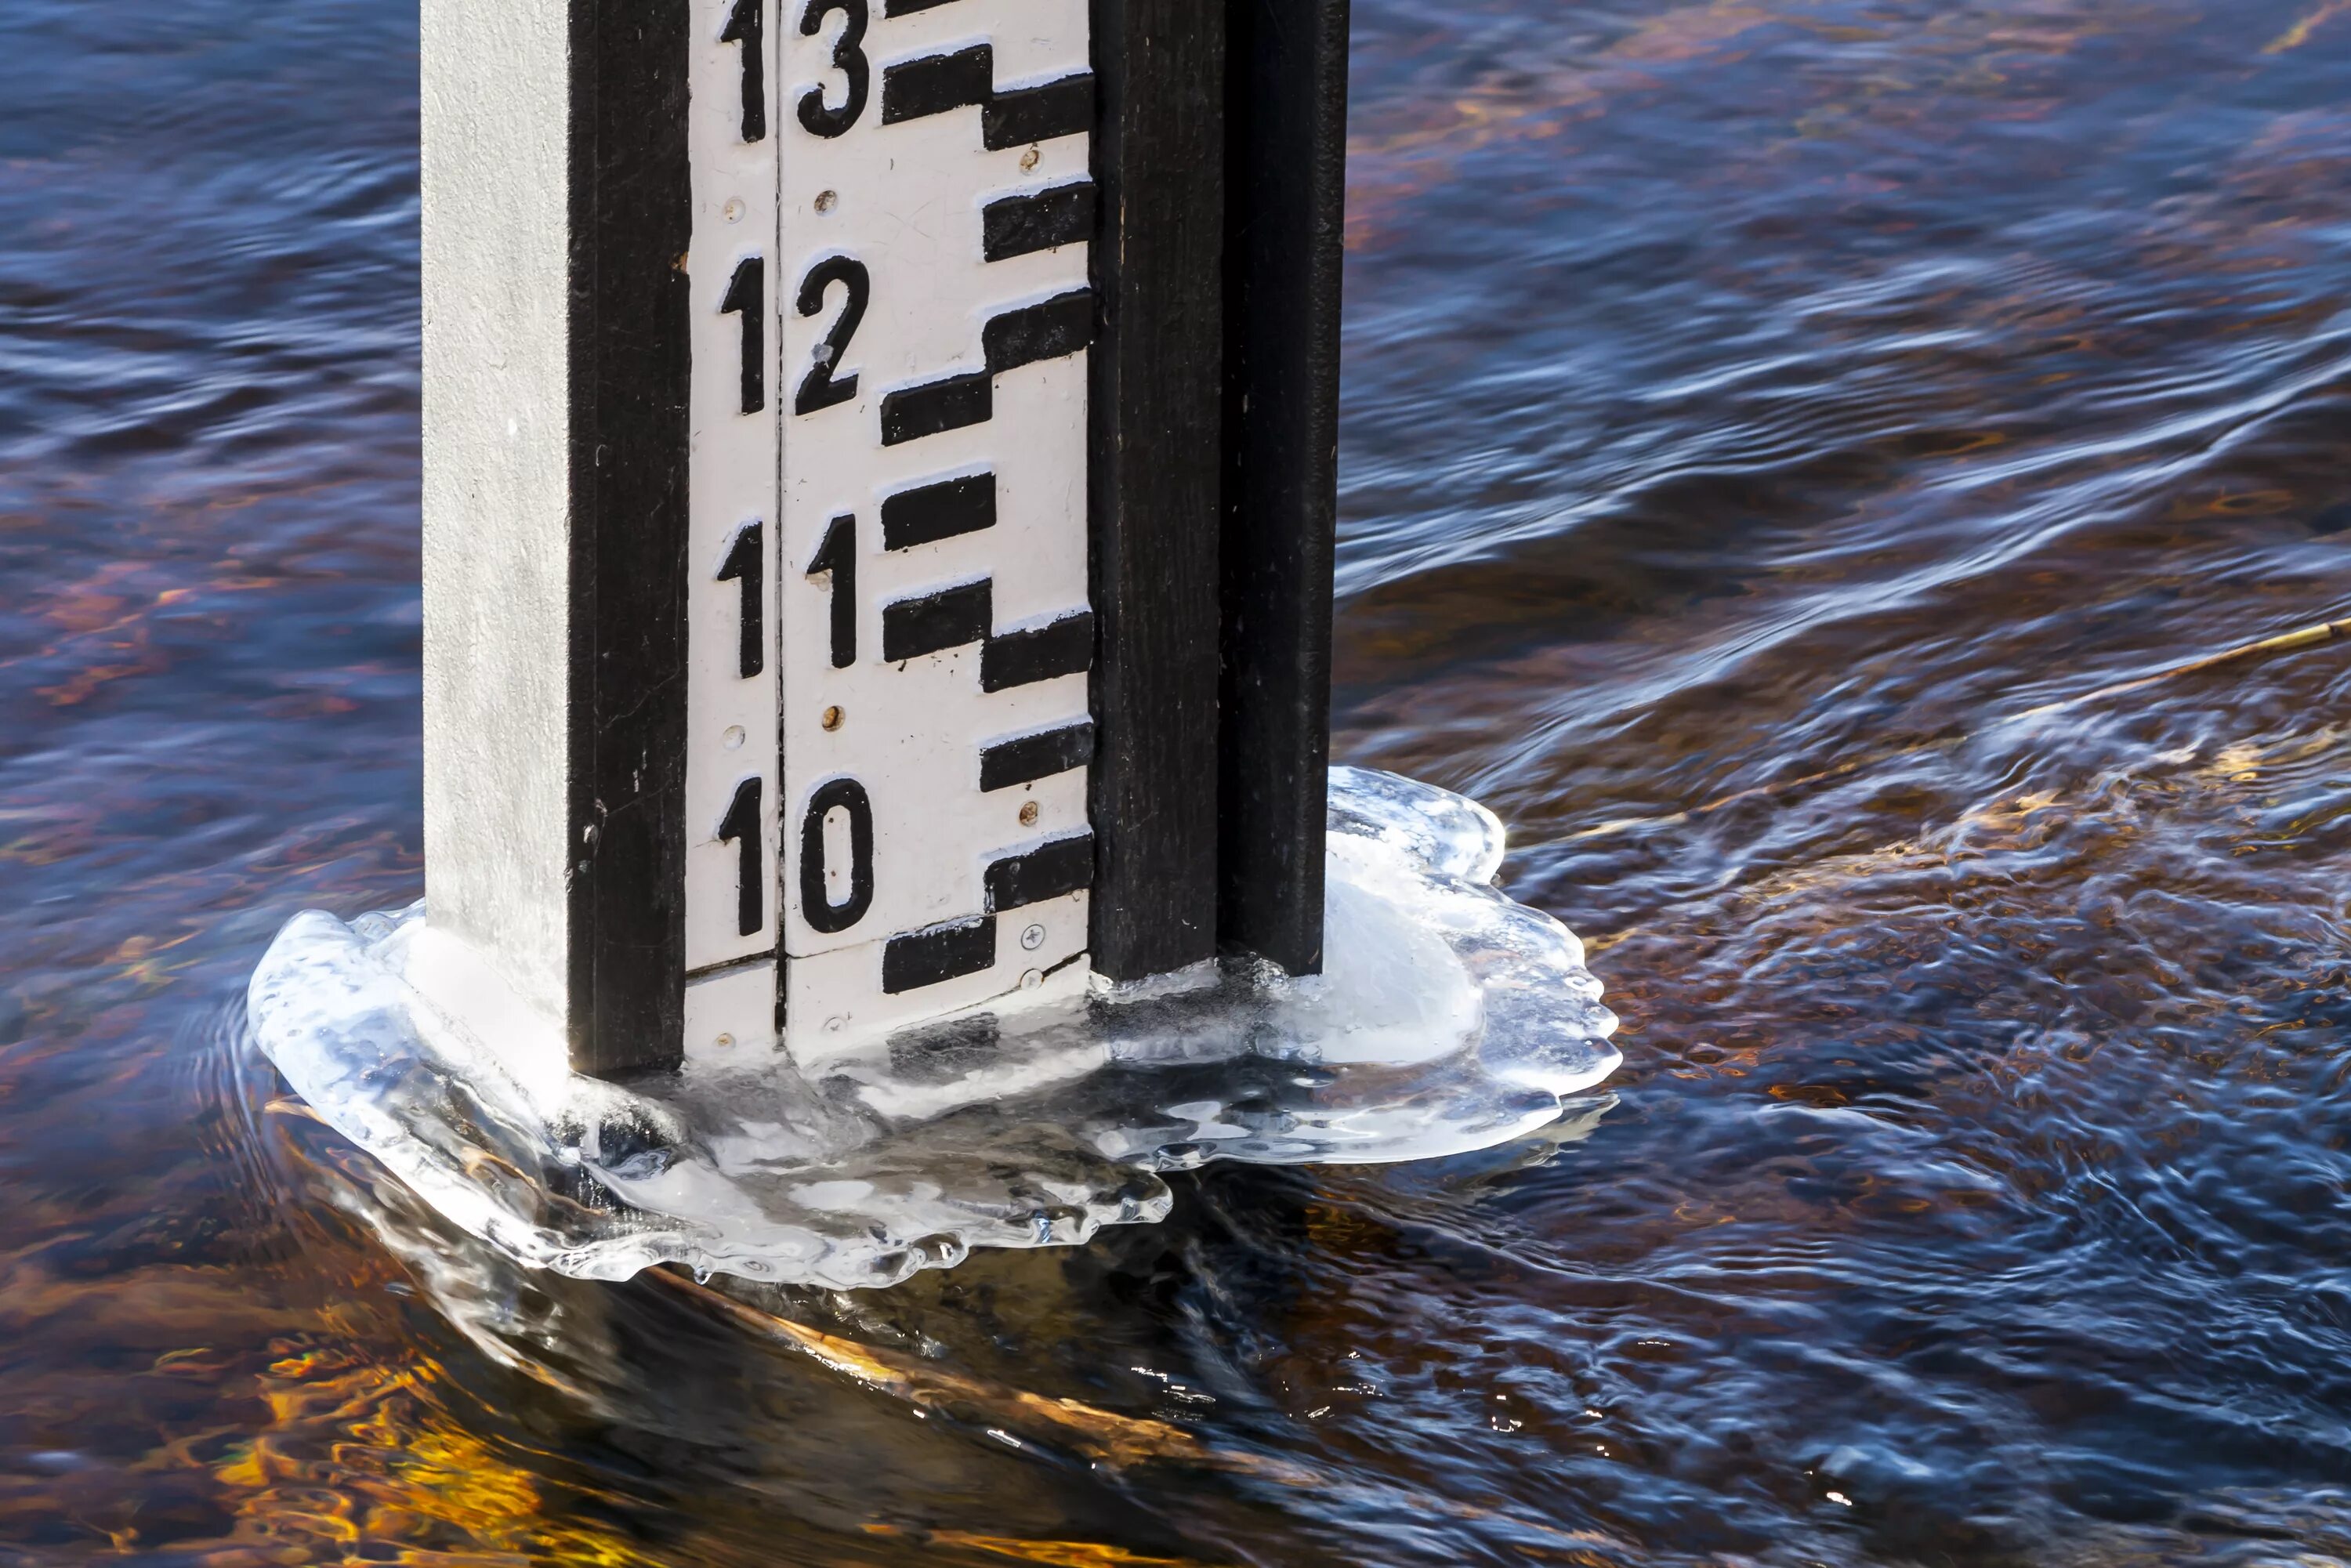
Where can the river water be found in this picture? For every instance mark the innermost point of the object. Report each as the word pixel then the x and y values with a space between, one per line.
pixel 1754 413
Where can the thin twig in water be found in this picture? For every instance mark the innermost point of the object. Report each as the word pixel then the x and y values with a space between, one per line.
pixel 2294 38
pixel 2284 642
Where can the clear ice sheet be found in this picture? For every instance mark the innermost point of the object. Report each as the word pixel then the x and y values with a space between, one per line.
pixel 1450 1019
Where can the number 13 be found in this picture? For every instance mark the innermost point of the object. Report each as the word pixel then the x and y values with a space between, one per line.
pixel 848 58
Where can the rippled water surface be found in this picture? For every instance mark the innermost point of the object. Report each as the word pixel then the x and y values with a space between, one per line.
pixel 1755 411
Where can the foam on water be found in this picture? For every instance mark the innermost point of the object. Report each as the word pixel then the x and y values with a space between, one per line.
pixel 1450 1019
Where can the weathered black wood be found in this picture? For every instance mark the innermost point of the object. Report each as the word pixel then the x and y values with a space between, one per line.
pixel 1042 113
pixel 933 408
pixel 836 558
pixel 742 827
pixel 1025 758
pixel 1052 329
pixel 1287 209
pixel 746 563
pixel 1051 871
pixel 938 83
pixel 921 959
pixel 747 25
pixel 848 797
pixel 1157 386
pixel 933 622
pixel 1058 648
pixel 945 510
pixel 632 219
pixel 1023 225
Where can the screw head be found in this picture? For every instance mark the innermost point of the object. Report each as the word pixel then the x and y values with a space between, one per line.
pixel 1032 979
pixel 827 200
pixel 1033 938
pixel 834 718
pixel 1028 814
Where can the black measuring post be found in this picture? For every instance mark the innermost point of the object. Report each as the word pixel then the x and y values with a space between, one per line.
pixel 1157 429
pixel 1286 210
pixel 1221 163
pixel 879 490
pixel 632 218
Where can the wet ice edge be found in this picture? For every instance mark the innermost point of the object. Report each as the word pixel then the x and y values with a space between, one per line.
pixel 1450 1019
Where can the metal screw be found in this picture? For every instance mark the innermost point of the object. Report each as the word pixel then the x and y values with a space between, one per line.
pixel 1032 979
pixel 834 718
pixel 735 737
pixel 1030 159
pixel 1029 815
pixel 724 1040
pixel 827 200
pixel 1033 938
pixel 734 210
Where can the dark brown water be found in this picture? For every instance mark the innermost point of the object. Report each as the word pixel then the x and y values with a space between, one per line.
pixel 1767 403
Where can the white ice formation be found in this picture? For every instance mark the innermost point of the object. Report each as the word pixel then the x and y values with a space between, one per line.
pixel 1450 1019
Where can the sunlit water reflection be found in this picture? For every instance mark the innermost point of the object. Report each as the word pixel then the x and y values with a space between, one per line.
pixel 1751 407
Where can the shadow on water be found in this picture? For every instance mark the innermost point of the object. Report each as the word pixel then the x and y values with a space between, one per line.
pixel 1758 402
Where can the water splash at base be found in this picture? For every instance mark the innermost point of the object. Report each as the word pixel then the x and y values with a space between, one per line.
pixel 1450 1019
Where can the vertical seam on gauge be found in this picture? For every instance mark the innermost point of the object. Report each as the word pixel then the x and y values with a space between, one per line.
pixel 782 135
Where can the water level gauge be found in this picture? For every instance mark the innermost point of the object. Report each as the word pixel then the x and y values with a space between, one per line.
pixel 930 600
